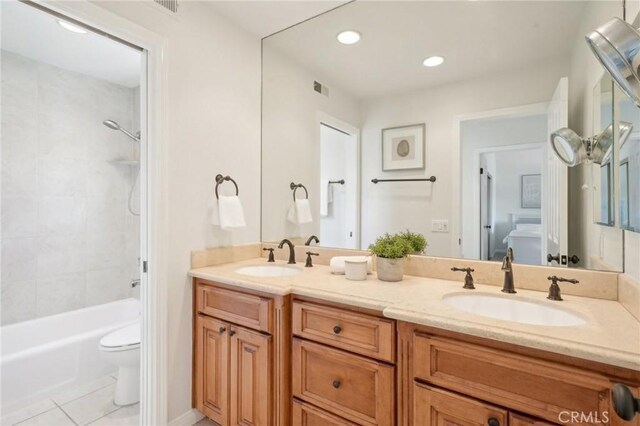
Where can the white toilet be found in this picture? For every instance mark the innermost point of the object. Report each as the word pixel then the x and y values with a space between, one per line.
pixel 122 348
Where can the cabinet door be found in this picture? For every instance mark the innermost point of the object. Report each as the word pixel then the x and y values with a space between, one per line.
pixel 436 407
pixel 212 368
pixel 250 378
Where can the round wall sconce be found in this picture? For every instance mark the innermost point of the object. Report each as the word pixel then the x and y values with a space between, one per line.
pixel 572 149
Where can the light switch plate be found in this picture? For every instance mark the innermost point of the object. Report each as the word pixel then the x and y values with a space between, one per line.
pixel 440 226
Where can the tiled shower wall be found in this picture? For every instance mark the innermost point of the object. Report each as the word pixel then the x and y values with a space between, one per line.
pixel 68 240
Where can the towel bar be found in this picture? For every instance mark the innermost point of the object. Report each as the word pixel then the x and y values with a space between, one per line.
pixel 341 181
pixel 294 187
pixel 431 179
pixel 220 179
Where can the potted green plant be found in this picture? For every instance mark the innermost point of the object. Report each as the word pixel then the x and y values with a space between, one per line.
pixel 417 241
pixel 390 251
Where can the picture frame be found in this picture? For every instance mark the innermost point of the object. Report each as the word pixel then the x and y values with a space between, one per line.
pixel 403 147
pixel 531 191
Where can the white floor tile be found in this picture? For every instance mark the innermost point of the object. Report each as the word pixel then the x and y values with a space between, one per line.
pixel 27 412
pixel 91 407
pixel 125 416
pixel 53 417
pixel 82 390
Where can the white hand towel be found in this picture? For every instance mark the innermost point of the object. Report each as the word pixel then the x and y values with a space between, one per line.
pixel 324 197
pixel 336 264
pixel 228 213
pixel 300 212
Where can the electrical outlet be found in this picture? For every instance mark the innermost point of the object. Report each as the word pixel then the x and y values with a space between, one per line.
pixel 440 226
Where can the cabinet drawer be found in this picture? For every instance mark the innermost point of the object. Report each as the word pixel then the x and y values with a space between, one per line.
pixel 308 415
pixel 520 420
pixel 540 388
pixel 356 388
pixel 240 308
pixel 360 333
pixel 438 407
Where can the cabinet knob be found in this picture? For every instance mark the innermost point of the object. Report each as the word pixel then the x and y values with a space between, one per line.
pixel 232 333
pixel 336 384
pixel 222 329
pixel 337 329
pixel 493 421
pixel 624 403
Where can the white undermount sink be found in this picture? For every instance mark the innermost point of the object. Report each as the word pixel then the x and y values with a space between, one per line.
pixel 514 309
pixel 269 271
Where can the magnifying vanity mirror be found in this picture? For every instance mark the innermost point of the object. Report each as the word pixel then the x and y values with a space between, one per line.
pixel 438 118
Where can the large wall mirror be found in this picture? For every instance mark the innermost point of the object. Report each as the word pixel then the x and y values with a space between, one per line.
pixel 435 117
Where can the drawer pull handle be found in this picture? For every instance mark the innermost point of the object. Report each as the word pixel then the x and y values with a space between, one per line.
pixel 337 329
pixel 222 329
pixel 232 333
pixel 493 421
pixel 336 384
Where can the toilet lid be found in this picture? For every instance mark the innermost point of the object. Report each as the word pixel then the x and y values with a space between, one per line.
pixel 126 336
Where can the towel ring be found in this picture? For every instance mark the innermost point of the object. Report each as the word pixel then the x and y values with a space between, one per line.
pixel 220 179
pixel 295 187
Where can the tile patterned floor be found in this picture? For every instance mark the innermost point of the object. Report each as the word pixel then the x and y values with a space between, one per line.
pixel 88 404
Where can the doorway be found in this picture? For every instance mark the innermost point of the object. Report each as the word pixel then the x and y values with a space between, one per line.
pixel 87 122
pixel 339 184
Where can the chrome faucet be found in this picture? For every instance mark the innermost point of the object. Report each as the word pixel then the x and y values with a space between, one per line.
pixel 292 252
pixel 507 267
pixel 135 282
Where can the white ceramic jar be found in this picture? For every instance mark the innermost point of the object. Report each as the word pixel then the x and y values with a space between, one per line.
pixel 355 270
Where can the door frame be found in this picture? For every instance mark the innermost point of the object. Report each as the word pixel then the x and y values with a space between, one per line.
pixel 324 118
pixel 153 359
pixel 456 159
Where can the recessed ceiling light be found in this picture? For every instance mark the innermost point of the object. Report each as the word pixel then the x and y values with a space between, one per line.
pixel 73 28
pixel 349 37
pixel 433 61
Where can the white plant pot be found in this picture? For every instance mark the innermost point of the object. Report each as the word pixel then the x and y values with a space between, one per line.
pixel 390 270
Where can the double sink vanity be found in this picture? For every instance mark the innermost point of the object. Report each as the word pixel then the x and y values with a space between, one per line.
pixel 279 344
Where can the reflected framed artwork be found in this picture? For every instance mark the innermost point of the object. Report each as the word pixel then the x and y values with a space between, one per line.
pixel 403 148
pixel 531 192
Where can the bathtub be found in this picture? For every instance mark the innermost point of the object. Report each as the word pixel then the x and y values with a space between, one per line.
pixel 42 357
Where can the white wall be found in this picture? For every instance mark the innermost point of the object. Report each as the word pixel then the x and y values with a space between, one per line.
pixel 291 139
pixel 213 118
pixel 419 203
pixel 588 239
pixel 68 240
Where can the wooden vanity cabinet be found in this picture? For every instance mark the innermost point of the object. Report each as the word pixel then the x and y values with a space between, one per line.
pixel 449 378
pixel 342 366
pixel 241 356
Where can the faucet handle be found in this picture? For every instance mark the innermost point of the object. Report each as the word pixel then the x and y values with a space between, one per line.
pixel 468 279
pixel 309 262
pixel 554 289
pixel 271 258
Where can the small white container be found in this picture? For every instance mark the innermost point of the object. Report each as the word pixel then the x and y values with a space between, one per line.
pixel 355 270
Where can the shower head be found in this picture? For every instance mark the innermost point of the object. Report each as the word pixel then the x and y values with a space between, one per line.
pixel 115 126
pixel 111 124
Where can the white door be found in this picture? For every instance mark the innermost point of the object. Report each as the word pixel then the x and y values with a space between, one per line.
pixel 339 170
pixel 555 187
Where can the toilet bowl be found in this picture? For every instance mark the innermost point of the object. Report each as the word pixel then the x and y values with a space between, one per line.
pixel 122 348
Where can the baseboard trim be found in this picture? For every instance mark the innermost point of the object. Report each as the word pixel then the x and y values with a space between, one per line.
pixel 189 418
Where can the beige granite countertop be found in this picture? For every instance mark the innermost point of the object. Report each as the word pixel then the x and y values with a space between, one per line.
pixel 611 334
